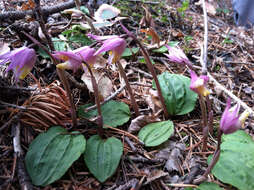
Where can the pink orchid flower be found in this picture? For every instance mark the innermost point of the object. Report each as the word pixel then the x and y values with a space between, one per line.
pixel 198 84
pixel 230 120
pixel 114 44
pixel 73 59
pixel 22 61
pixel 175 54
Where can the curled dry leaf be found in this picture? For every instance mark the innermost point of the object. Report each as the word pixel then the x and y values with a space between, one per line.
pixel 210 7
pixel 153 101
pixel 154 175
pixel 147 19
pixel 73 12
pixel 27 5
pixel 49 107
pixel 101 62
pixel 106 12
pixel 105 86
pixel 139 122
pixel 174 161
pixel 155 37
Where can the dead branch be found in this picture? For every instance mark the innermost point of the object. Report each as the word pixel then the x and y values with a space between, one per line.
pixel 204 57
pixel 15 15
pixel 234 97
pixel 23 177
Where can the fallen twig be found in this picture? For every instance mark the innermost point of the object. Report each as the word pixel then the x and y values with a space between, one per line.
pixel 204 57
pixel 4 104
pixel 15 15
pixel 107 99
pixel 130 184
pixel 224 89
pixel 23 177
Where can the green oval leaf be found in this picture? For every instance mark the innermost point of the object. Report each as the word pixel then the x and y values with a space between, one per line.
pixel 130 51
pixel 114 113
pixel 206 186
pixel 164 49
pixel 154 134
pixel 51 154
pixel 102 156
pixel 80 39
pixel 179 99
pixel 236 163
pixel 142 60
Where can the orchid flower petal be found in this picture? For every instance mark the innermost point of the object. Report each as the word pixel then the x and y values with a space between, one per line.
pixel 22 61
pixel 198 84
pixel 101 38
pixel 230 120
pixel 114 44
pixel 87 54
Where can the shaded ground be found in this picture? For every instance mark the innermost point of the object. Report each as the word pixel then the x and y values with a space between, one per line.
pixel 230 61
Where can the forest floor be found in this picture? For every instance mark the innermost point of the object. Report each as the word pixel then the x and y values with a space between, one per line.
pixel 230 61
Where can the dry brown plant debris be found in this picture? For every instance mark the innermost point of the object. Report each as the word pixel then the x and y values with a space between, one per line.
pixel 49 107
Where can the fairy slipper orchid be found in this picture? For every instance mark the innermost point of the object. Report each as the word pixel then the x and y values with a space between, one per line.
pixel 230 120
pixel 73 59
pixel 114 44
pixel 198 84
pixel 175 54
pixel 87 54
pixel 22 61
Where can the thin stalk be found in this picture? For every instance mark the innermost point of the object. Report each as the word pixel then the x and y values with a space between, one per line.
pixel 150 67
pixel 97 100
pixel 204 57
pixel 60 72
pixel 62 77
pixel 204 123
pixel 215 159
pixel 78 4
pixel 210 115
pixel 133 101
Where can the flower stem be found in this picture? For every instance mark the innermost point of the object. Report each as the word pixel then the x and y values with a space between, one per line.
pixel 39 15
pixel 133 101
pixel 204 123
pixel 97 100
pixel 215 159
pixel 150 67
pixel 62 78
pixel 210 115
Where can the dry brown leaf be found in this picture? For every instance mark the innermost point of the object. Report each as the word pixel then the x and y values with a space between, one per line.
pixel 153 101
pixel 105 86
pixel 154 175
pixel 147 19
pixel 28 5
pixel 155 37
pixel 209 7
pixel 139 122
pixel 49 107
